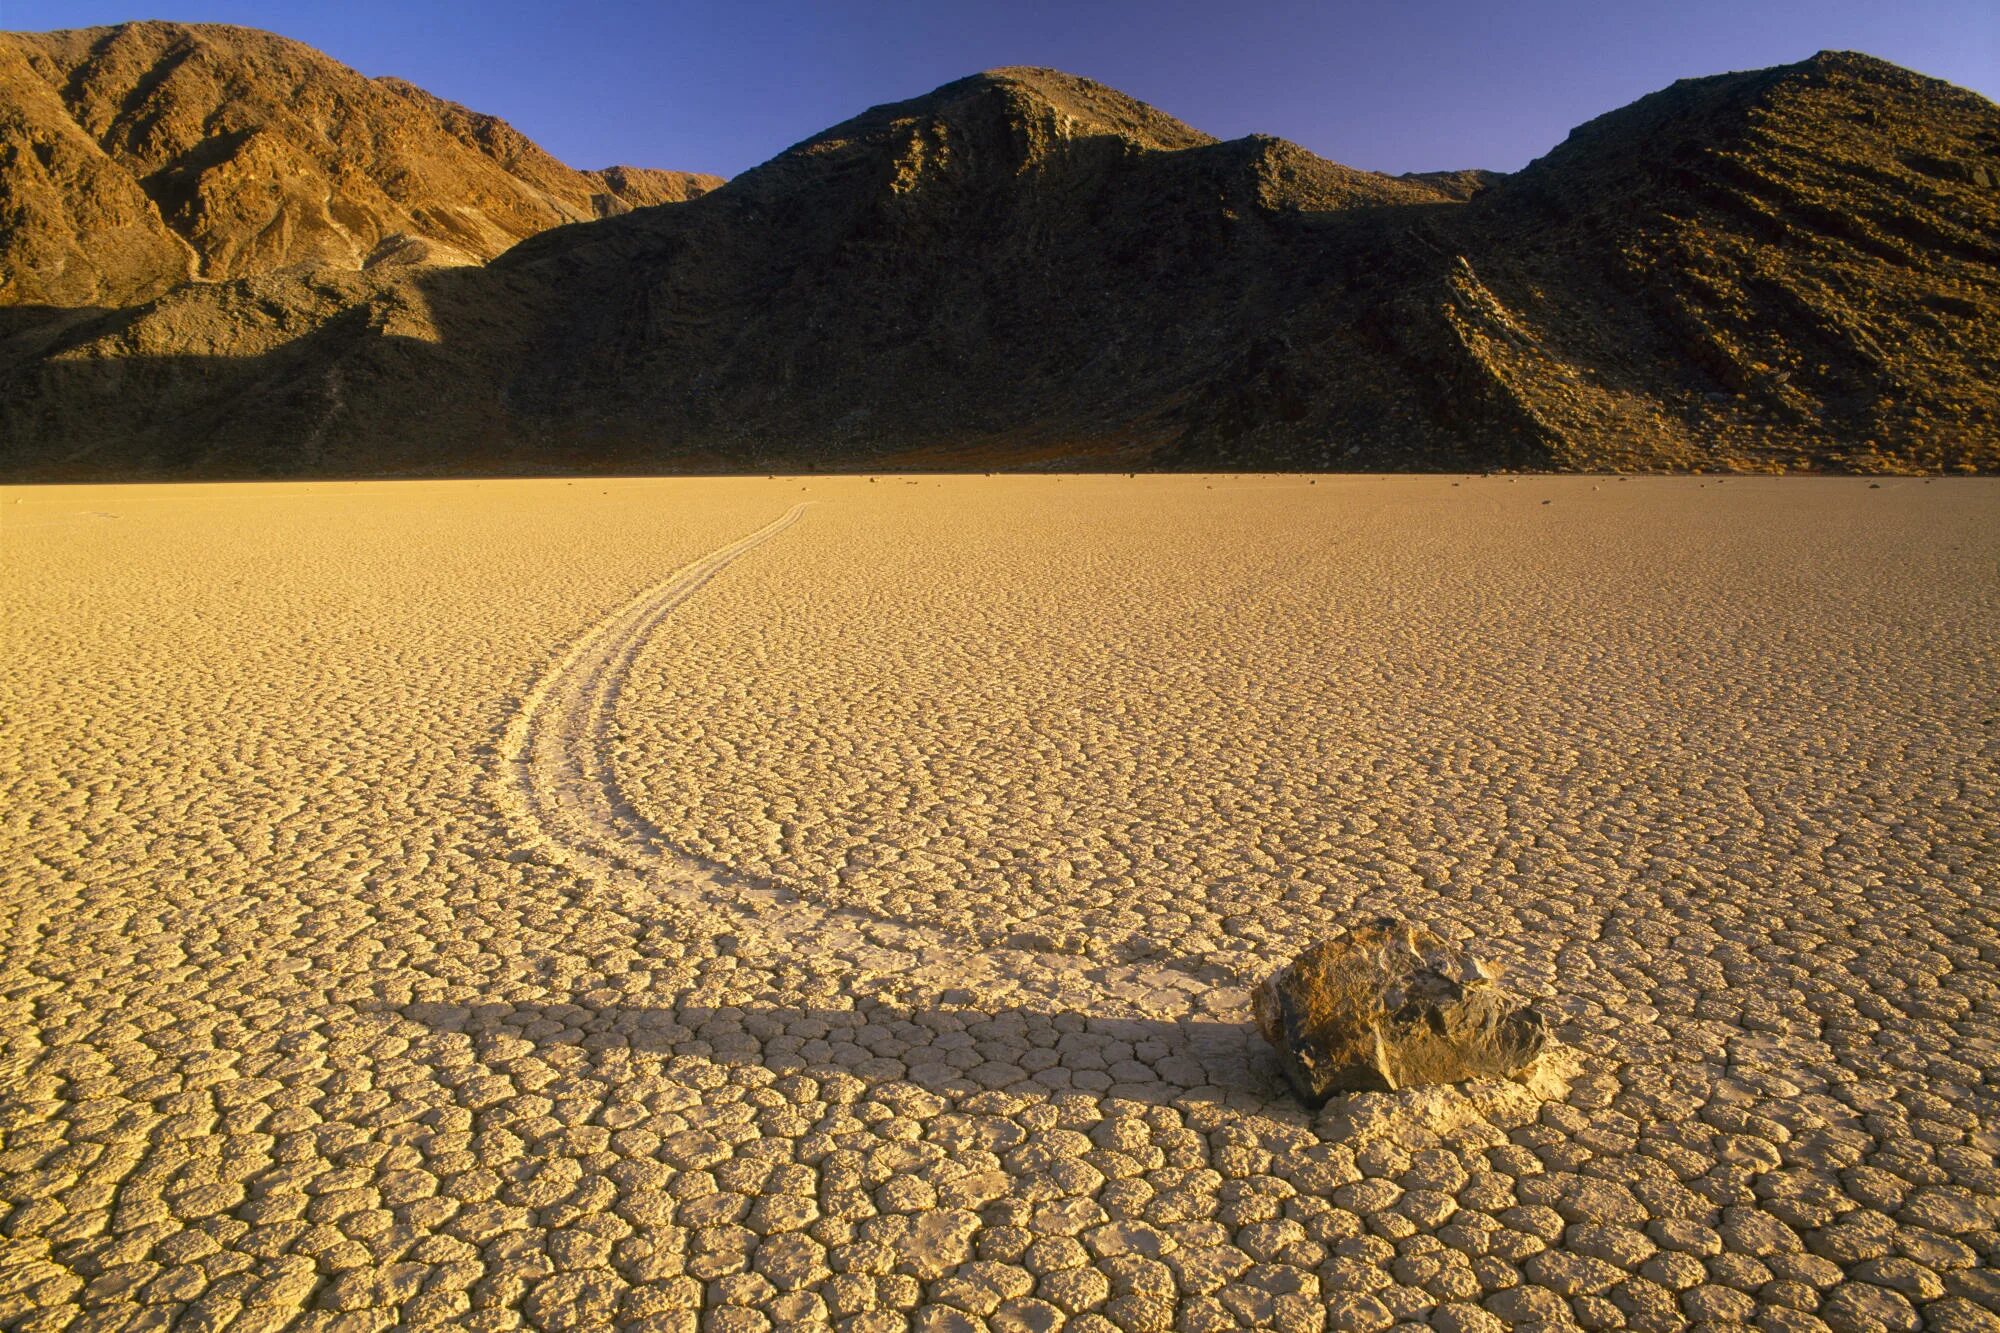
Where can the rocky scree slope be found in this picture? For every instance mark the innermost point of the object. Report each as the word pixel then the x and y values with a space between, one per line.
pixel 138 157
pixel 1792 268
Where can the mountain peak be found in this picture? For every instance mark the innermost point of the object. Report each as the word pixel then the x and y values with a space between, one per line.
pixel 1067 105
pixel 149 152
pixel 1091 107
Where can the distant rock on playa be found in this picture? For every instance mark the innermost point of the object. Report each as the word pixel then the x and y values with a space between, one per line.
pixel 1391 1005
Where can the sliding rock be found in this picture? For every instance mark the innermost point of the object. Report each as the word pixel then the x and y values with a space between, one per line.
pixel 1391 1005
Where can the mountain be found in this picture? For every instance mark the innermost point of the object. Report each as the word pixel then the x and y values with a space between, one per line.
pixel 138 157
pixel 1022 261
pixel 1791 268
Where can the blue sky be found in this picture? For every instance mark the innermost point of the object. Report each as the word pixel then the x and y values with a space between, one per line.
pixel 1416 86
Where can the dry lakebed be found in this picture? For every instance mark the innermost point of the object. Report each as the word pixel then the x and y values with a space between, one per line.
pixel 804 902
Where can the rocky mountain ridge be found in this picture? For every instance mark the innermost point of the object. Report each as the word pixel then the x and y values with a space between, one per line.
pixel 1795 268
pixel 137 157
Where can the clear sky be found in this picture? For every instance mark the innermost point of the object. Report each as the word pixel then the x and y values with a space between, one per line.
pixel 1412 86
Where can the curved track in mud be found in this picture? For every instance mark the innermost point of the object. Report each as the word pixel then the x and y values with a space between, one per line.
pixel 560 790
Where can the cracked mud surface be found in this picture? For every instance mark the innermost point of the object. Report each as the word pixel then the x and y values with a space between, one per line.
pixel 566 903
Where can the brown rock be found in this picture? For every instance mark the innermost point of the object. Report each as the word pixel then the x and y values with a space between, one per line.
pixel 1391 1005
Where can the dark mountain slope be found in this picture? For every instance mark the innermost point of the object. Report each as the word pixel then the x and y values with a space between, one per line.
pixel 1797 267
pixel 1021 256
pixel 1792 264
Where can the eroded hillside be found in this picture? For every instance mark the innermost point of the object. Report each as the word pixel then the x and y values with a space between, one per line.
pixel 136 157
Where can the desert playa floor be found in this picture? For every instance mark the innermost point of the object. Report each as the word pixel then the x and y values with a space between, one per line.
pixel 786 903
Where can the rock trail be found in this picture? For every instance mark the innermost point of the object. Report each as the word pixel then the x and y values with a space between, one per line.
pixel 559 789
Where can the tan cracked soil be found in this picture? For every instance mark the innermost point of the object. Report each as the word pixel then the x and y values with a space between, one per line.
pixel 792 903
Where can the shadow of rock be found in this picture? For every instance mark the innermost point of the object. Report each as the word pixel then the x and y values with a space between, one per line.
pixel 946 1050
